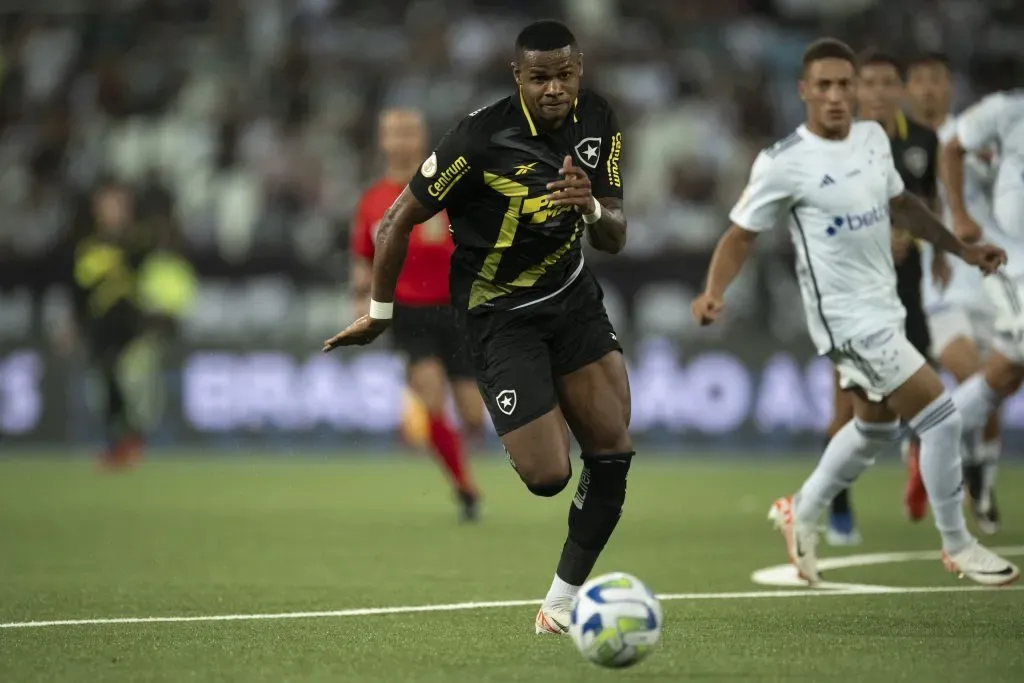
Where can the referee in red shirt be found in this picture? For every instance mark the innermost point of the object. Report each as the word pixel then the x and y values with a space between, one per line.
pixel 425 327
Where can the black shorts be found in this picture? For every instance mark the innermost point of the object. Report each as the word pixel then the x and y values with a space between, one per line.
pixel 107 337
pixel 421 332
pixel 519 353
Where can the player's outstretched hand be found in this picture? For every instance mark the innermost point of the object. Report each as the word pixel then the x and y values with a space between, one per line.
pixel 984 256
pixel 573 189
pixel 706 309
pixel 360 333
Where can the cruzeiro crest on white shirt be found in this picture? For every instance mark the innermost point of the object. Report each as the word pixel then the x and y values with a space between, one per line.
pixel 588 151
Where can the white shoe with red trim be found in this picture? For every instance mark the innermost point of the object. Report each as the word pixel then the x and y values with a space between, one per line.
pixel 552 618
pixel 801 540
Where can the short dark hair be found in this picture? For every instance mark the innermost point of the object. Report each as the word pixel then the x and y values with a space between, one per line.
pixel 543 36
pixel 827 48
pixel 874 57
pixel 929 59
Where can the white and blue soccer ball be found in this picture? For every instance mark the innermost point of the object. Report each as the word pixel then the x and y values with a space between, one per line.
pixel 615 620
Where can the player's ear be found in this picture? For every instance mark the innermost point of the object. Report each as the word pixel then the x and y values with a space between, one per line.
pixel 579 63
pixel 517 73
pixel 801 87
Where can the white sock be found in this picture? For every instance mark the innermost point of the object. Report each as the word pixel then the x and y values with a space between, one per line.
pixel 988 453
pixel 851 451
pixel 560 592
pixel 938 427
pixel 975 400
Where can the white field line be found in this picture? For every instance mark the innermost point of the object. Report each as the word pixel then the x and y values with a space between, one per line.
pixel 463 606
pixel 784 575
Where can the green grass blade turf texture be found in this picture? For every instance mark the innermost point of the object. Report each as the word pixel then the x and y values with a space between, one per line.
pixel 187 537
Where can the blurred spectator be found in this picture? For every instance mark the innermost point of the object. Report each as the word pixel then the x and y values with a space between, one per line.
pixel 255 116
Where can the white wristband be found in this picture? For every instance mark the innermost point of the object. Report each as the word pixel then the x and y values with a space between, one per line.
pixel 381 310
pixel 591 218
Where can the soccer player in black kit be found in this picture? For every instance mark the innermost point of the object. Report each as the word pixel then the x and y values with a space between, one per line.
pixel 106 308
pixel 523 180
pixel 915 153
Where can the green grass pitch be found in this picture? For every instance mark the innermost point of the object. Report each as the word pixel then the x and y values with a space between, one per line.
pixel 188 537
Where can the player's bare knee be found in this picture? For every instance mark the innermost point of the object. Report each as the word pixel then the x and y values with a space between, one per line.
pixel 1003 375
pixel 472 421
pixel 606 437
pixel 834 426
pixel 427 380
pixel 613 443
pixel 547 479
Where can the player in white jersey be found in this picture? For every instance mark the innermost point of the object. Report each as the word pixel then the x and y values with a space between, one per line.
pixel 960 317
pixel 834 183
pixel 996 120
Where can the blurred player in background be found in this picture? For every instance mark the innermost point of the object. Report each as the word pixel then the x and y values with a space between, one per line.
pixel 961 319
pixel 425 328
pixel 996 121
pixel 835 184
pixel 106 308
pixel 523 180
pixel 914 152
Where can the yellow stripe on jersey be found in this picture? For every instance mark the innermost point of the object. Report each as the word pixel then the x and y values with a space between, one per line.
pixel 484 289
pixel 526 113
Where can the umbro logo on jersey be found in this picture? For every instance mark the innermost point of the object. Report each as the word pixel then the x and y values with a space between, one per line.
pixel 827 180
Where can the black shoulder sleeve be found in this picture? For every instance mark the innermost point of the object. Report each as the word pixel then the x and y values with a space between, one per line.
pixel 441 179
pixel 607 178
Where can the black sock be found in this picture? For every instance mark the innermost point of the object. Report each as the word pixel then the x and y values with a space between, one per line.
pixel 841 503
pixel 973 478
pixel 116 417
pixel 593 514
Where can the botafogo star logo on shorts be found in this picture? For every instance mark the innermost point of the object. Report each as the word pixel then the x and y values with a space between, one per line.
pixel 507 401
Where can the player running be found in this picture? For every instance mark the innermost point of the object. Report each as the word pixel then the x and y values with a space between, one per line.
pixel 522 181
pixel 835 182
pixel 996 121
pixel 425 329
pixel 915 152
pixel 960 317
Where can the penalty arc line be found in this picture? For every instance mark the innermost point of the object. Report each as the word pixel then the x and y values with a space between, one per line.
pixel 462 606
pixel 785 576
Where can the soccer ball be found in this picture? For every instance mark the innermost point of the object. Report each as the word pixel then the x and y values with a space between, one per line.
pixel 615 620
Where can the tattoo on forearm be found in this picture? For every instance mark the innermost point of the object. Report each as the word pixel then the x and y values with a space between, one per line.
pixel 911 214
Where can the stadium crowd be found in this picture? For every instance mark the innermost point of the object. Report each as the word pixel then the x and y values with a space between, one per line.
pixel 252 122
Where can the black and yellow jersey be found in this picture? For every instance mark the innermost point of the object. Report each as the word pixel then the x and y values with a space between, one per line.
pixel 105 286
pixel 490 173
pixel 915 153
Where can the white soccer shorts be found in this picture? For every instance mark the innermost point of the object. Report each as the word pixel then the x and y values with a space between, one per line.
pixel 954 322
pixel 1007 296
pixel 878 363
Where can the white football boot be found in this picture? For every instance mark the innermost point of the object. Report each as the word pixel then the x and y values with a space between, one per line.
pixel 981 565
pixel 553 618
pixel 801 539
